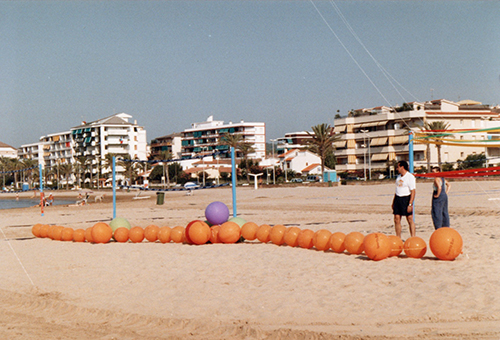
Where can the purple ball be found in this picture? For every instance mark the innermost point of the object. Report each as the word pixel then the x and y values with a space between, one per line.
pixel 216 213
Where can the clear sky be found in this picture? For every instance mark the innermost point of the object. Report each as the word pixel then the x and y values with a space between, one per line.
pixel 290 64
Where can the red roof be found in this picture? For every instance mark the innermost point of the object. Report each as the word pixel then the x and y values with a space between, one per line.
pixel 310 167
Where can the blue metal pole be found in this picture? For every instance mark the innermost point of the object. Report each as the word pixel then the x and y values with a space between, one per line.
pixel 410 151
pixel 41 186
pixel 233 180
pixel 114 188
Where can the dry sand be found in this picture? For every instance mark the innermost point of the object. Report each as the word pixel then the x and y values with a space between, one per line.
pixel 65 290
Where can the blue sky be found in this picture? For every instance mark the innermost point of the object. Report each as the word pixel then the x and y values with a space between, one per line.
pixel 172 63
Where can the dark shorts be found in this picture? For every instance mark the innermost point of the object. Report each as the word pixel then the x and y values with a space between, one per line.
pixel 401 204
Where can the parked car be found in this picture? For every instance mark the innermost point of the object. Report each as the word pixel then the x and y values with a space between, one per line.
pixel 296 180
pixel 312 178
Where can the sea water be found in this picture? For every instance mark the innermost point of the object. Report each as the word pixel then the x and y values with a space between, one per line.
pixel 28 202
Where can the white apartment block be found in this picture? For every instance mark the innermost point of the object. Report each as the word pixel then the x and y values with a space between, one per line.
pixel 57 149
pixel 375 137
pixel 205 137
pixel 7 151
pixel 33 151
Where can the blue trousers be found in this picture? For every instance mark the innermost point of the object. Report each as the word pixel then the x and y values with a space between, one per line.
pixel 439 212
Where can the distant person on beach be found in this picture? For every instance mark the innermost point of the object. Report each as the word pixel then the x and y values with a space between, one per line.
pixel 402 204
pixel 439 211
pixel 50 200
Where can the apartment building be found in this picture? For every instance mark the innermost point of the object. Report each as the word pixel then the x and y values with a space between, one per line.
pixel 291 141
pixel 7 151
pixel 205 137
pixel 171 143
pixel 57 149
pixel 375 137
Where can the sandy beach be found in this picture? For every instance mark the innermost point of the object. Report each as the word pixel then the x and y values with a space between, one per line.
pixel 66 290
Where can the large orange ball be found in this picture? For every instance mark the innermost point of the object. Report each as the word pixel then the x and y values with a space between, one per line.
pixel 176 234
pixel 214 234
pixel 101 232
pixel 354 243
pixel 151 233
pixel 121 234
pixel 164 234
pixel 56 233
pixel 88 235
pixel 415 247
pixel 199 232
pixel 79 235
pixel 321 239
pixel 396 245
pixel 446 243
pixel 377 246
pixel 136 234
pixel 291 235
pixel 36 229
pixel 263 233
pixel 305 238
pixel 337 242
pixel 44 230
pixel 230 232
pixel 249 231
pixel 67 234
pixel 50 230
pixel 277 234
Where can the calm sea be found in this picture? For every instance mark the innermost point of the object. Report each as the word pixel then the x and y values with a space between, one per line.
pixel 26 202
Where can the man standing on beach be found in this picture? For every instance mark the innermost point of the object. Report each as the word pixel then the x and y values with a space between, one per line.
pixel 402 204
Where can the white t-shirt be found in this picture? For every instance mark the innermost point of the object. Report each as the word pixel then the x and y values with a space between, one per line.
pixel 405 184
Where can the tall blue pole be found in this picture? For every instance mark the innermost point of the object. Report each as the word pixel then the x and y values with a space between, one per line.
pixel 233 180
pixel 114 188
pixel 410 151
pixel 41 186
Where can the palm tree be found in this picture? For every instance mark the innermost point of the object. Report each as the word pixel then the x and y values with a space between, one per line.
pixel 246 149
pixel 437 132
pixel 165 155
pixel 79 166
pixel 66 170
pixel 29 164
pixel 321 142
pixel 129 166
pixel 237 141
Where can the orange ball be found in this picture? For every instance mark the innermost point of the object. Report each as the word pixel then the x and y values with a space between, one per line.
pixel 446 243
pixel 321 239
pixel 50 230
pixel 263 233
pixel 56 233
pixel 121 234
pixel 415 247
pixel 136 234
pixel 151 233
pixel 354 243
pixel 164 234
pixel 67 234
pixel 198 232
pixel 249 231
pixel 88 235
pixel 177 234
pixel 337 242
pixel 396 245
pixel 230 232
pixel 44 230
pixel 277 234
pixel 214 234
pixel 101 232
pixel 377 246
pixel 79 235
pixel 291 235
pixel 35 230
pixel 305 238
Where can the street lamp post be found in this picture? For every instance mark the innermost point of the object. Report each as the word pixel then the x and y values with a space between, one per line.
pixel 274 170
pixel 203 162
pixel 369 154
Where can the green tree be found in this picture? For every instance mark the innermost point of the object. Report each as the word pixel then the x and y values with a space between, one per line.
pixel 66 170
pixel 436 132
pixel 321 142
pixel 472 161
pixel 165 156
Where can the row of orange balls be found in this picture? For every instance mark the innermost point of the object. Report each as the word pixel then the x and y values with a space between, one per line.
pixel 446 244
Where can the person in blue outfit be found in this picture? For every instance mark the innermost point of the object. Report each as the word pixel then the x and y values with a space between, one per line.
pixel 439 212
